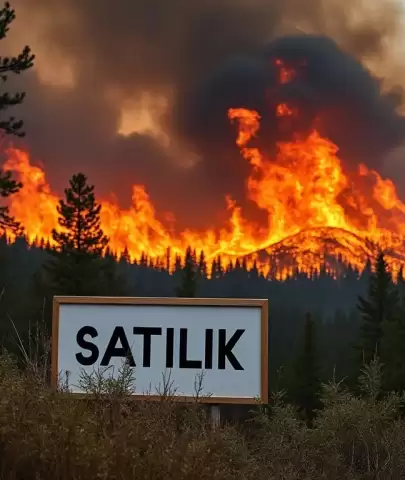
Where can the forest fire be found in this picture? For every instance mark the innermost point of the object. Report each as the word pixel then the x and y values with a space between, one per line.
pixel 314 209
pixel 316 212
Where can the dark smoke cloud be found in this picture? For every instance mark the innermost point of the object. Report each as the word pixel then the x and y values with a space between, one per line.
pixel 211 55
pixel 333 84
pixel 330 85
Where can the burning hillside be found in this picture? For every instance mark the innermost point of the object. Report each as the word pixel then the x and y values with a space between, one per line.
pixel 317 212
pixel 320 205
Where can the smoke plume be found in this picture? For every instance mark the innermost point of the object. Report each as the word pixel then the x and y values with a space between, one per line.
pixel 137 91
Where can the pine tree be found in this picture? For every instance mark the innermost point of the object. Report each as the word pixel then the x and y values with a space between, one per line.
pixel 16 65
pixel 380 306
pixel 143 261
pixel 168 260
pixel 189 277
pixel 177 264
pixel 217 270
pixel 111 278
pixel 8 186
pixel 77 266
pixel 202 265
pixel 80 220
pixel 254 272
pixel 306 383
pixel 393 342
pixel 23 61
pixel 125 257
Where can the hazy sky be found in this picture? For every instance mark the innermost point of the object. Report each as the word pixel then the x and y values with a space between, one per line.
pixel 109 82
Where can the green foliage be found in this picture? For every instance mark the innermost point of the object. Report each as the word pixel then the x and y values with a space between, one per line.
pixel 102 382
pixel 361 432
pixel 18 64
pixel 380 307
pixel 352 437
pixel 370 380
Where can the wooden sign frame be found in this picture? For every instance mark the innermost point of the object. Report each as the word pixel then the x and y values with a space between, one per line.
pixel 171 301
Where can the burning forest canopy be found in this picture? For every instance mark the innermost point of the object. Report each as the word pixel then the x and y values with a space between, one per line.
pixel 244 129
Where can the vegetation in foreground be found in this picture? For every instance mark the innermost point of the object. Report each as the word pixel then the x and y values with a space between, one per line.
pixel 48 434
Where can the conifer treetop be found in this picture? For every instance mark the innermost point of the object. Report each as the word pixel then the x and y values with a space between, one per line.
pixel 79 220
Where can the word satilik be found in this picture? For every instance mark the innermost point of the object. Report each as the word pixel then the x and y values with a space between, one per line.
pixel 119 337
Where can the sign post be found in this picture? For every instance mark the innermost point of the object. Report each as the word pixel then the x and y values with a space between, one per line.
pixel 215 412
pixel 226 340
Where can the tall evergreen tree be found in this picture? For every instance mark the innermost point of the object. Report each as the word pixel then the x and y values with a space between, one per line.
pixel 380 306
pixel 8 186
pixel 217 270
pixel 16 65
pixel 112 277
pixel 77 266
pixel 202 265
pixel 306 383
pixel 79 219
pixel 23 61
pixel 189 277
pixel 393 343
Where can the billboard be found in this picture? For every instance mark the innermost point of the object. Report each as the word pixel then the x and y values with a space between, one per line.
pixel 224 342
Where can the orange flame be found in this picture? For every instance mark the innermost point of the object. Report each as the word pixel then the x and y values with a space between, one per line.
pixel 286 74
pixel 312 205
pixel 305 188
pixel 283 110
pixel 315 210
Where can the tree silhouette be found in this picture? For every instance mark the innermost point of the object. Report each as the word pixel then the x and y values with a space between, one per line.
pixel 189 277
pixel 16 65
pixel 306 379
pixel 76 268
pixel 202 265
pixel 393 341
pixel 80 220
pixel 381 305
pixel 8 186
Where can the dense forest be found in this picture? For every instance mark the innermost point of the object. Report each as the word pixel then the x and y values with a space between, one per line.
pixel 319 326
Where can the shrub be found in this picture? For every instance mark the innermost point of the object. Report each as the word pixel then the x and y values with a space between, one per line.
pixel 47 434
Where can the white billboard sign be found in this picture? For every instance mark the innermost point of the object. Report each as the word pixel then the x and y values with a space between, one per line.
pixel 222 341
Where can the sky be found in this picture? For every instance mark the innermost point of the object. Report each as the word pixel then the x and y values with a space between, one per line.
pixel 114 87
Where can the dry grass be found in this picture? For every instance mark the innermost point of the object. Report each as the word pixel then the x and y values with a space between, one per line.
pixel 49 435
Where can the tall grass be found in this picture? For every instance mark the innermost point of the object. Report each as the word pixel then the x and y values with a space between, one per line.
pixel 45 434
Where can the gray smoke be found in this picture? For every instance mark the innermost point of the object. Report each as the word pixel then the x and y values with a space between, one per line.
pixel 330 85
pixel 211 55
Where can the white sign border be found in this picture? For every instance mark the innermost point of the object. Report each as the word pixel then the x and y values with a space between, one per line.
pixel 171 301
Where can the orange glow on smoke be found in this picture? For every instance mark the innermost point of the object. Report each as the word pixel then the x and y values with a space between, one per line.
pixel 286 74
pixel 283 110
pixel 315 210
